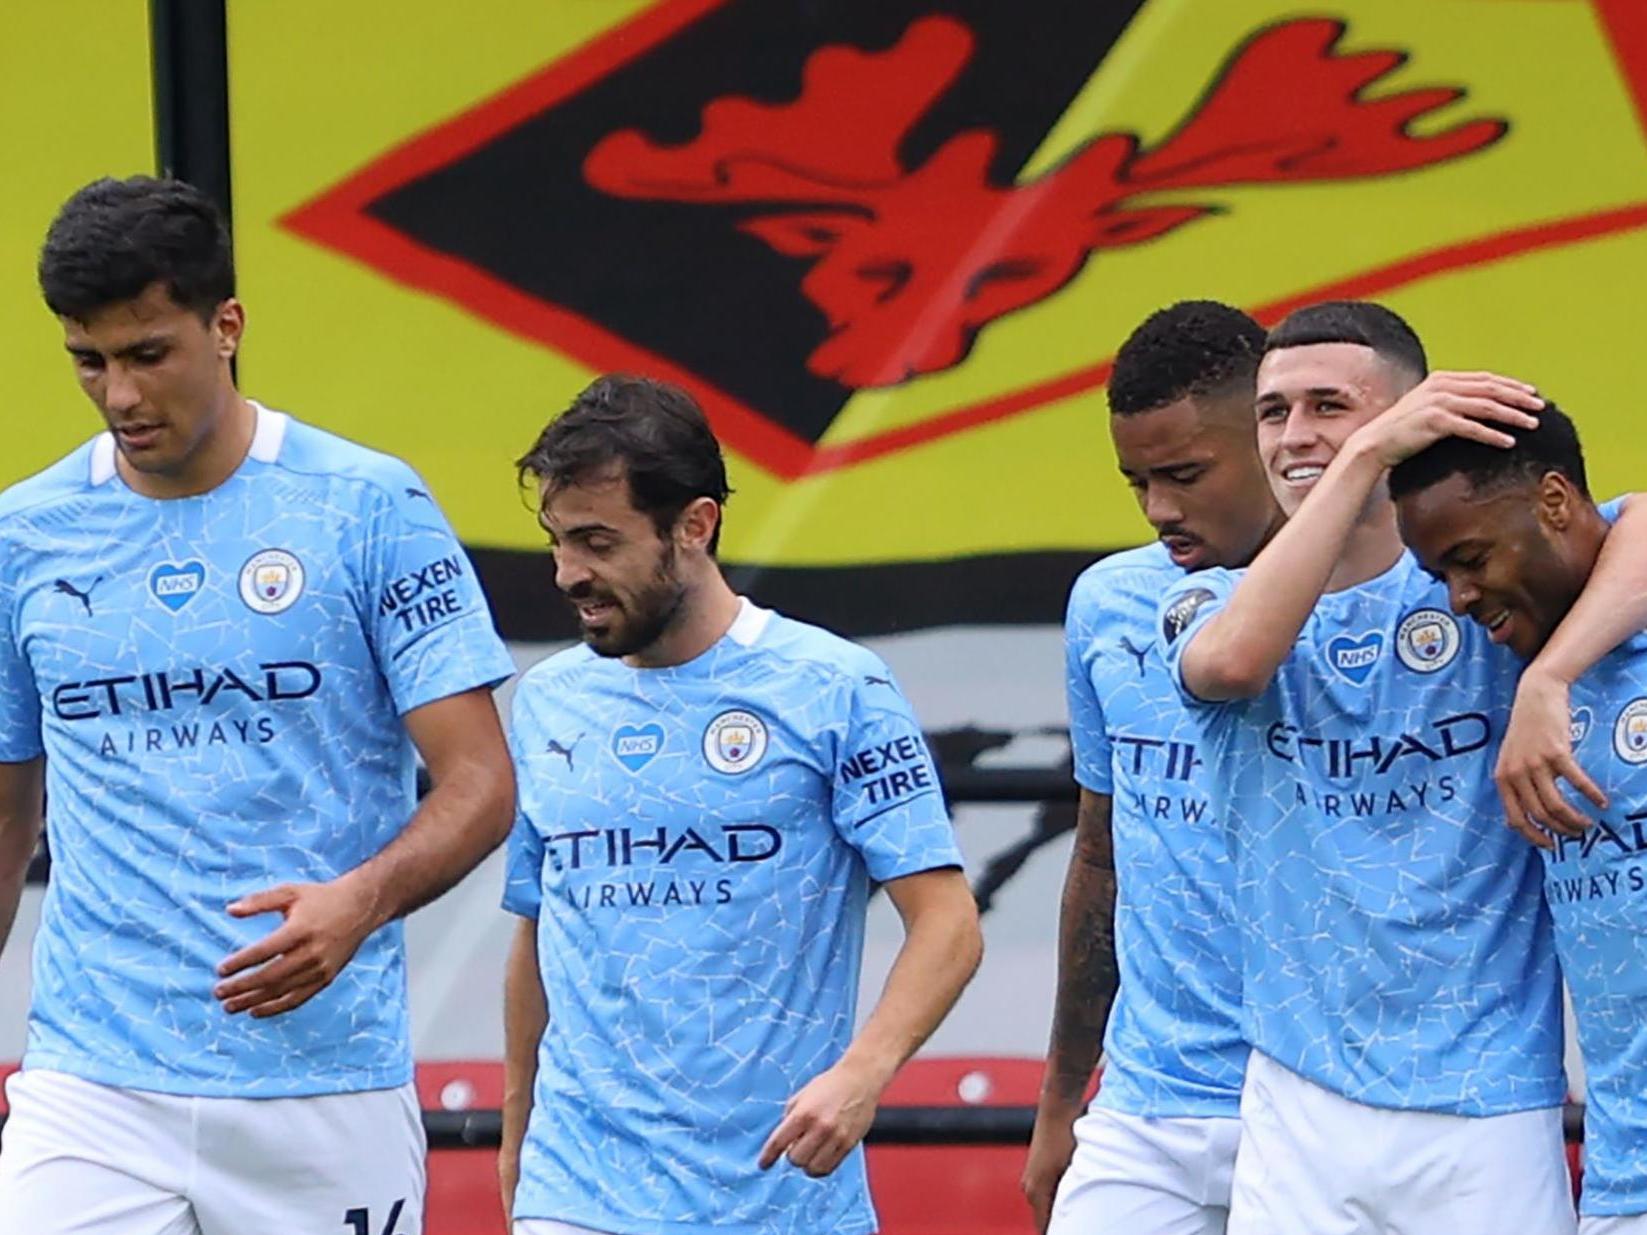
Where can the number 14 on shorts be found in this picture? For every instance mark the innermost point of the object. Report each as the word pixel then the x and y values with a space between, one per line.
pixel 359 1221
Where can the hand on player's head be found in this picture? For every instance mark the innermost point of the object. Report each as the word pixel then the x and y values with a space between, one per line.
pixel 1447 404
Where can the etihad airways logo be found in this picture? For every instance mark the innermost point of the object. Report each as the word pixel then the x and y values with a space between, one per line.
pixel 1343 757
pixel 167 690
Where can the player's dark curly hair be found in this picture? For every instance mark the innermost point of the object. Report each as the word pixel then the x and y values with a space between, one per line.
pixel 655 431
pixel 1195 347
pixel 114 238
pixel 1551 447
pixel 1354 321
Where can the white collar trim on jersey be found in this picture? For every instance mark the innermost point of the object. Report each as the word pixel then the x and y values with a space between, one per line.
pixel 269 434
pixel 102 463
pixel 266 440
pixel 750 623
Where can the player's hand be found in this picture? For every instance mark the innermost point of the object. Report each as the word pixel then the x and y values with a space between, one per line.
pixel 1537 754
pixel 1051 1146
pixel 824 1121
pixel 325 924
pixel 1468 405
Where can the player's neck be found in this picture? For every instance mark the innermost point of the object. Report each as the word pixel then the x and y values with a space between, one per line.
pixel 707 613
pixel 1586 538
pixel 1373 546
pixel 217 457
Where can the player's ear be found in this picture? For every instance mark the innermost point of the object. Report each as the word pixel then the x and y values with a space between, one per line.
pixel 1557 501
pixel 228 325
pixel 696 524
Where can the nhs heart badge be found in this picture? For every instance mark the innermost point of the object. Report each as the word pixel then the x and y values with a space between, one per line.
pixel 174 584
pixel 1354 658
pixel 635 746
pixel 1579 725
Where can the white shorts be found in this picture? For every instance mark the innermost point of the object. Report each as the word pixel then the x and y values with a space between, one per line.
pixel 1137 1176
pixel 1315 1163
pixel 1623 1224
pixel 94 1160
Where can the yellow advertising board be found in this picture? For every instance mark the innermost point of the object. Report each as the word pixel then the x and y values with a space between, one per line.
pixel 893 247
pixel 74 105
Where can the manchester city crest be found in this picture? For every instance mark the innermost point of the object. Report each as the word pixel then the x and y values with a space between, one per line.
pixel 1427 640
pixel 271 581
pixel 1630 732
pixel 734 742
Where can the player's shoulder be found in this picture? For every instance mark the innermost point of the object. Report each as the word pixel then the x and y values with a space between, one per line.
pixel 1212 583
pixel 545 686
pixel 803 647
pixel 1143 570
pixel 1142 567
pixel 307 450
pixel 69 478
pixel 553 671
pixel 1406 588
pixel 1120 583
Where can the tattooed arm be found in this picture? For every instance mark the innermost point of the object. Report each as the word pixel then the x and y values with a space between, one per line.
pixel 1087 980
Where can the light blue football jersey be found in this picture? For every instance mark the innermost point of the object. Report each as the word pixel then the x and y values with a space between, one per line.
pixel 1596 886
pixel 1395 946
pixel 216 683
pixel 697 844
pixel 1173 1046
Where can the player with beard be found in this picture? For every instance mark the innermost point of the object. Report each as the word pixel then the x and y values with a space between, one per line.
pixel 1148 956
pixel 1399 983
pixel 1514 532
pixel 707 790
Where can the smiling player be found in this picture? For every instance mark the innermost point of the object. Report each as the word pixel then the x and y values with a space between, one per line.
pixel 1515 537
pixel 1400 988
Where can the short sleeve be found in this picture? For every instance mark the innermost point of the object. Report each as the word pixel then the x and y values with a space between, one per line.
pixel 432 631
pixel 19 695
pixel 523 869
pixel 1088 735
pixel 887 801
pixel 523 858
pixel 1187 606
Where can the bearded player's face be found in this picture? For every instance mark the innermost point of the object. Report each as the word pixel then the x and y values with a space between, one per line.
pixel 612 563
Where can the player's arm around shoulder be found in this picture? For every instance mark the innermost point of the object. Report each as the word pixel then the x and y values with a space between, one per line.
pixel 1537 752
pixel 888 805
pixel 22 812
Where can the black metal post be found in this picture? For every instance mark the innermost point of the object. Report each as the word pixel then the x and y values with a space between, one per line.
pixel 189 58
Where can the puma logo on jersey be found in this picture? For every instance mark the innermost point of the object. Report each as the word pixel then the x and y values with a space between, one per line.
pixel 65 588
pixel 565 752
pixel 1137 654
